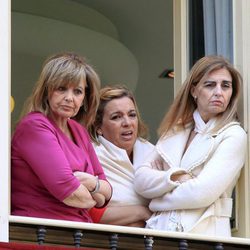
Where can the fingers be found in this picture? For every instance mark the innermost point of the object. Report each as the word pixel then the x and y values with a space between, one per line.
pixel 157 164
pixel 185 177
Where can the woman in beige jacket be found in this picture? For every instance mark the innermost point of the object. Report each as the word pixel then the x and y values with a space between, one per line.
pixel 198 158
pixel 121 146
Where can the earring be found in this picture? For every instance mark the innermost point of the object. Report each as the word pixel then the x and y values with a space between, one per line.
pixel 195 98
pixel 99 132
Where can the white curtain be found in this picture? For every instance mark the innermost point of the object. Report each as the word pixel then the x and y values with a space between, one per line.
pixel 218 29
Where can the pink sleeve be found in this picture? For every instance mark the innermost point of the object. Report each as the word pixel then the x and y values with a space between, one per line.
pixel 38 145
pixel 98 170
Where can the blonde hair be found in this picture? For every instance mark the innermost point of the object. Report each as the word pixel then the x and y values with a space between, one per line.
pixel 108 94
pixel 61 70
pixel 181 111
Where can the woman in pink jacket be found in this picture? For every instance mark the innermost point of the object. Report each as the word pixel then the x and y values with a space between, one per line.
pixel 54 169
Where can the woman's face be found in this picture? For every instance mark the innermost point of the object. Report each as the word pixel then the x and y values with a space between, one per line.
pixel 120 123
pixel 65 101
pixel 214 94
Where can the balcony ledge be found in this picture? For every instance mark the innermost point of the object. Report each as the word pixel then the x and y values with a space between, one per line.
pixel 98 236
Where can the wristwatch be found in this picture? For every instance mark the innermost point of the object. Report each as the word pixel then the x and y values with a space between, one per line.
pixel 97 186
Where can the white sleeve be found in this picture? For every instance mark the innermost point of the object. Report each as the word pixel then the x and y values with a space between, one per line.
pixel 152 183
pixel 221 171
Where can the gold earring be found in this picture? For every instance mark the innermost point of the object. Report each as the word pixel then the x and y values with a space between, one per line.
pixel 99 132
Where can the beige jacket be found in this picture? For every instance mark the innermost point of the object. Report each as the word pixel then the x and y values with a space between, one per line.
pixel 120 171
pixel 203 204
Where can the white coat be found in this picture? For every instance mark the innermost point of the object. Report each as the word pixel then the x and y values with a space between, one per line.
pixel 119 170
pixel 203 204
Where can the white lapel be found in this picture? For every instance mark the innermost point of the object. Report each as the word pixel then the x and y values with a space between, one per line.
pixel 119 172
pixel 113 158
pixel 201 148
pixel 141 150
pixel 198 151
pixel 171 149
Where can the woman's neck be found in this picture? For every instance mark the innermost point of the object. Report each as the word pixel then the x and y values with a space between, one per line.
pixel 62 124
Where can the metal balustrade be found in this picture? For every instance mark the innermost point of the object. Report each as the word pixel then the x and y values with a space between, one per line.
pixel 98 236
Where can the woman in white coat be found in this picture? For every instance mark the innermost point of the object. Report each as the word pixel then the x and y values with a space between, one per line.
pixel 199 156
pixel 119 134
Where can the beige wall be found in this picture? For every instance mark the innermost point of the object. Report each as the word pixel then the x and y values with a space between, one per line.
pixel 36 37
pixel 242 61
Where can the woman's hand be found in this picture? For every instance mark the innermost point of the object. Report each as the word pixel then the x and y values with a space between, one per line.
pixel 159 164
pixel 87 180
pixel 99 198
pixel 80 198
pixel 134 215
pixel 90 182
pixel 144 213
pixel 181 177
